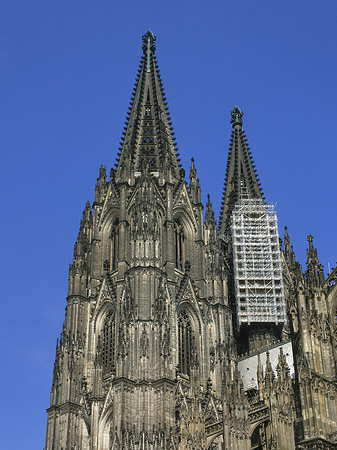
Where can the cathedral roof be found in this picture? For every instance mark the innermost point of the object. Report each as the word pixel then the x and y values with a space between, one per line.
pixel 241 179
pixel 148 138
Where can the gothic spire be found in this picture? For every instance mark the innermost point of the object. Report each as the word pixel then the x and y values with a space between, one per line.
pixel 314 273
pixel 148 142
pixel 288 250
pixel 241 178
pixel 194 184
pixel 209 216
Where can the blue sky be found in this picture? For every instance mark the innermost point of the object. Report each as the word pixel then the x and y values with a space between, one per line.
pixel 67 70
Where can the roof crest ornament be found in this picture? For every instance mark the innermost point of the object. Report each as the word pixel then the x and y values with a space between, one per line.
pixel 236 118
pixel 149 47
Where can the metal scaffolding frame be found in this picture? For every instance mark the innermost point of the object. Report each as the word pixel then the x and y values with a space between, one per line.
pixel 257 263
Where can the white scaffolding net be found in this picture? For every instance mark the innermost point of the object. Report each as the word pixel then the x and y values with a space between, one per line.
pixel 257 263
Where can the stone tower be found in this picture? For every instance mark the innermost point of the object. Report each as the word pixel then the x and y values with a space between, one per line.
pixel 181 334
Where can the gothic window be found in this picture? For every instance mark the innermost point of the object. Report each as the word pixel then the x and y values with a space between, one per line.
pixel 180 245
pixel 185 342
pixel 114 247
pixel 108 343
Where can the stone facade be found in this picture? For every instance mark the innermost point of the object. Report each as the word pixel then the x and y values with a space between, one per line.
pixel 152 355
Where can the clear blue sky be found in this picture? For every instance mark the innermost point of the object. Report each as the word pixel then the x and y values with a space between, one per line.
pixel 67 70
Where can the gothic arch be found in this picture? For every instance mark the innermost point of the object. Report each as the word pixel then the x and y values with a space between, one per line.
pixel 186 212
pixel 105 425
pixel 187 305
pixel 110 221
pixel 188 338
pixel 184 231
pixel 105 308
pixel 186 343
pixel 107 343
pixel 215 442
pixel 256 435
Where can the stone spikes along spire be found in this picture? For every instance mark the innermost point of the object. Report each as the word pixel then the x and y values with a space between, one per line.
pixel 148 141
pixel 241 178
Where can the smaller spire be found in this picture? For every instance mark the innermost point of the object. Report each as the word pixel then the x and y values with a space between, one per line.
pixel 194 184
pixel 260 376
pixel 269 374
pixel 310 239
pixel 314 273
pixel 236 117
pixel 87 216
pixel 288 249
pixel 101 185
pixel 268 363
pixel 259 366
pixel 193 172
pixel 312 257
pixel 209 217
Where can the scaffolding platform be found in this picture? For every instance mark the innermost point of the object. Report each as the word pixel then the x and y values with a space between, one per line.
pixel 257 263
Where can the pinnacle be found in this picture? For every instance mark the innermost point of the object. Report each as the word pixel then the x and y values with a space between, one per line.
pixel 193 171
pixel 312 252
pixel 310 238
pixel 236 117
pixel 149 40
pixel 209 217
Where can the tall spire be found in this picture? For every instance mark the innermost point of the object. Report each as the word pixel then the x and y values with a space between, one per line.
pixel 241 177
pixel 148 141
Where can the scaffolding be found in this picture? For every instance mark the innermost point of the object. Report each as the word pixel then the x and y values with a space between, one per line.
pixel 257 263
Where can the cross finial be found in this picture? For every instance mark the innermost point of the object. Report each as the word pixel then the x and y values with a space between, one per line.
pixel 236 118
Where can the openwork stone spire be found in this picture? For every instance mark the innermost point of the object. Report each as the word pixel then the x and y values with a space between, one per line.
pixel 241 178
pixel 148 143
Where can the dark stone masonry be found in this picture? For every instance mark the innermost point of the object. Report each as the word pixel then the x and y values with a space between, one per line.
pixel 181 333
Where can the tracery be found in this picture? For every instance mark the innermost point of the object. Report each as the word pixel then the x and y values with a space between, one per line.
pixel 108 343
pixel 185 342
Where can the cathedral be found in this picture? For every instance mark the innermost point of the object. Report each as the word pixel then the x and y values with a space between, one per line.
pixel 182 332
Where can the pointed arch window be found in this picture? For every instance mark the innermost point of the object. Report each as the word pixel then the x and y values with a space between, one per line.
pixel 185 342
pixel 179 245
pixel 114 246
pixel 108 343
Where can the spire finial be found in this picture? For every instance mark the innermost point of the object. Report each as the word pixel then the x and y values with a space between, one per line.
pixel 236 118
pixel 310 239
pixel 149 47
